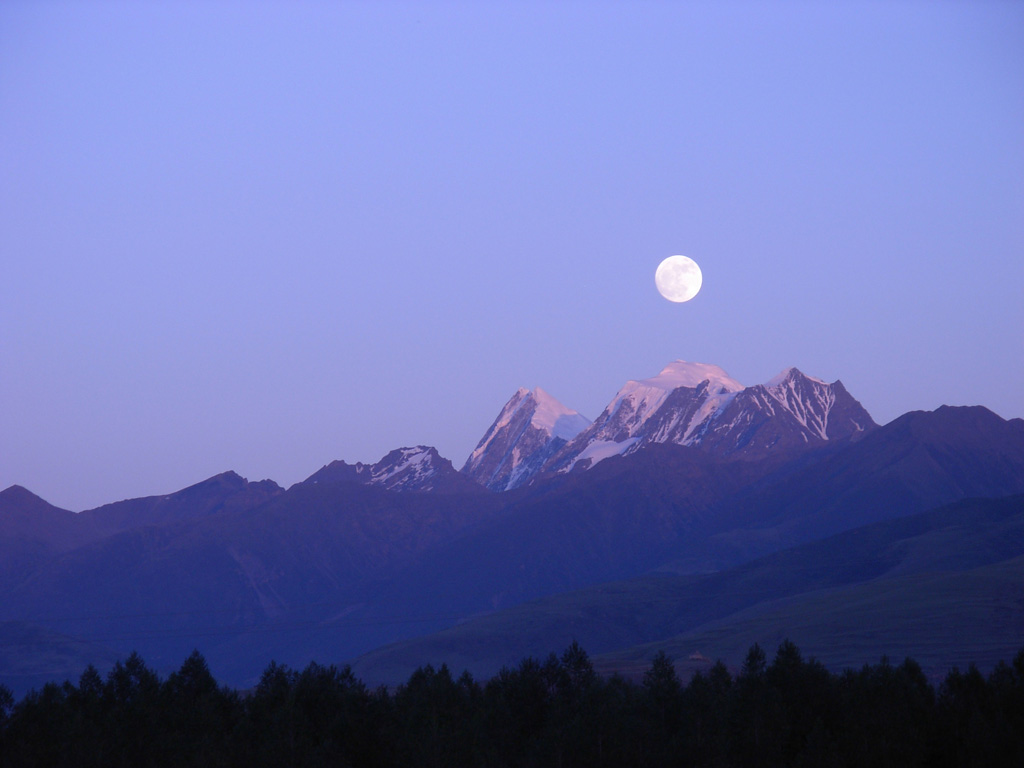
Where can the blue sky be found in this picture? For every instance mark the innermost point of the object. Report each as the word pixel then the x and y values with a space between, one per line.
pixel 263 236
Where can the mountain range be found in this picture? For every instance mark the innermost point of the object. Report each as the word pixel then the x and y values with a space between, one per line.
pixel 692 514
pixel 691 404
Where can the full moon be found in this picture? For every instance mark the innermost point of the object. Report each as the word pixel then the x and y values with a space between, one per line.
pixel 678 278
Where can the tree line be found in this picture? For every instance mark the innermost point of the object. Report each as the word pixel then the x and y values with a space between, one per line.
pixel 790 711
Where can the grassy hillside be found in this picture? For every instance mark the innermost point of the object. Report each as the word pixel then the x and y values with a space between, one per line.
pixel 941 619
pixel 31 655
pixel 944 568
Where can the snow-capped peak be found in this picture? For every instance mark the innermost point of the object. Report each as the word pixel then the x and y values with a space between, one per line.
pixel 681 373
pixel 414 468
pixel 545 414
pixel 647 395
pixel 554 418
pixel 530 428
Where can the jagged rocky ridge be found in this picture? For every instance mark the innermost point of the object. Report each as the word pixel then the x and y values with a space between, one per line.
pixel 419 468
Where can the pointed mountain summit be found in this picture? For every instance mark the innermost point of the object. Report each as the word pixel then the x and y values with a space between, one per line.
pixel 530 429
pixel 25 517
pixel 19 501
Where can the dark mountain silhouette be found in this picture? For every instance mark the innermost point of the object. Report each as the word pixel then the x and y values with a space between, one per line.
pixel 31 530
pixel 337 566
pixel 26 518
pixel 920 460
pixel 225 492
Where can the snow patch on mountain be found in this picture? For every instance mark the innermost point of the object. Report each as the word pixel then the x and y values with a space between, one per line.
pixel 554 418
pixel 599 450
pixel 413 463
pixel 416 468
pixel 809 400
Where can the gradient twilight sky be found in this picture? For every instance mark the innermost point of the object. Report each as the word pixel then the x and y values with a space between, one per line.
pixel 264 236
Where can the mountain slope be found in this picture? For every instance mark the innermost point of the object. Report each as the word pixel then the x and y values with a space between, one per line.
pixel 941 619
pixel 790 411
pixel 884 574
pixel 225 492
pixel 27 518
pixel 303 556
pixel 624 517
pixel 31 530
pixel 920 460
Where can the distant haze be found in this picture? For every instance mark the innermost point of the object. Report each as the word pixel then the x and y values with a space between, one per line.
pixel 265 237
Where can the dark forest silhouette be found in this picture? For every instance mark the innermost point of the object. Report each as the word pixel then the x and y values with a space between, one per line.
pixel 556 712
